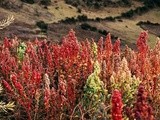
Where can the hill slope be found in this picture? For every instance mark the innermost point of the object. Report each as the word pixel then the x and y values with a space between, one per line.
pixel 36 20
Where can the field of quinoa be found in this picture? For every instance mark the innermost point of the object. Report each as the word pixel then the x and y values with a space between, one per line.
pixel 74 80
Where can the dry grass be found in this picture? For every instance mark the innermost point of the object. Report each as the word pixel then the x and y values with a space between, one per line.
pixel 33 12
pixel 152 15
pixel 109 11
pixel 61 10
pixel 126 30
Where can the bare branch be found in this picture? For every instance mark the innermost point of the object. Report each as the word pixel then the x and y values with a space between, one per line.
pixel 6 22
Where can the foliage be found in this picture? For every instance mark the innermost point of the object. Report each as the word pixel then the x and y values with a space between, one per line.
pixel 28 1
pixel 94 92
pixel 82 18
pixel 42 25
pixel 143 110
pixel 127 84
pixel 45 2
pixel 6 22
pixel 5 107
pixel 75 80
pixel 97 4
pixel 117 105
pixel 86 26
pixel 21 50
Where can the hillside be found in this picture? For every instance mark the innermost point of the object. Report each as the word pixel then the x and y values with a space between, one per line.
pixel 54 20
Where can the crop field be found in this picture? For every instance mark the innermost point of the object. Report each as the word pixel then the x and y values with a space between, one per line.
pixel 76 80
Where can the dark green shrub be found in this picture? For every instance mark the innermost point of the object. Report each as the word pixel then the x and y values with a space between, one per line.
pixel 128 14
pixel 82 18
pixel 127 2
pixel 43 26
pixel 97 5
pixel 45 2
pixel 73 2
pixel 152 3
pixel 79 10
pixel 147 23
pixel 69 20
pixel 98 19
pixel 120 20
pixel 89 3
pixel 93 29
pixel 28 1
pixel 103 32
pixel 86 26
pixel 110 18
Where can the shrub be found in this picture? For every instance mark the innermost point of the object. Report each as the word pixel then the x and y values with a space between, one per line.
pixel 79 10
pixel 42 25
pixel 98 19
pixel 73 2
pixel 97 5
pixel 82 18
pixel 69 20
pixel 45 2
pixel 103 32
pixel 128 14
pixel 127 2
pixel 28 1
pixel 86 26
pixel 110 18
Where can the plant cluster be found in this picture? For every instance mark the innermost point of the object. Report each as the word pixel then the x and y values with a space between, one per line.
pixel 81 80
pixel 97 4
pixel 4 108
pixel 42 2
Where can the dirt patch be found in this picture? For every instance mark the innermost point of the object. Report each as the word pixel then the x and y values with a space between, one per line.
pixel 22 30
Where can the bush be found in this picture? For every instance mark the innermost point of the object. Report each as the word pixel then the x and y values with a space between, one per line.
pixel 79 10
pixel 86 26
pixel 98 19
pixel 151 3
pixel 97 5
pixel 127 2
pixel 28 1
pixel 103 32
pixel 43 26
pixel 82 18
pixel 128 14
pixel 120 20
pixel 147 23
pixel 45 2
pixel 73 2
pixel 110 18
pixel 69 20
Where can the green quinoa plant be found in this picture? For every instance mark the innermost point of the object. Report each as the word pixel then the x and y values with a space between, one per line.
pixel 94 91
pixel 21 50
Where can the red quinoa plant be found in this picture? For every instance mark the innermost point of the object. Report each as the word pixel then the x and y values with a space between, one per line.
pixel 47 80
pixel 143 111
pixel 117 105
